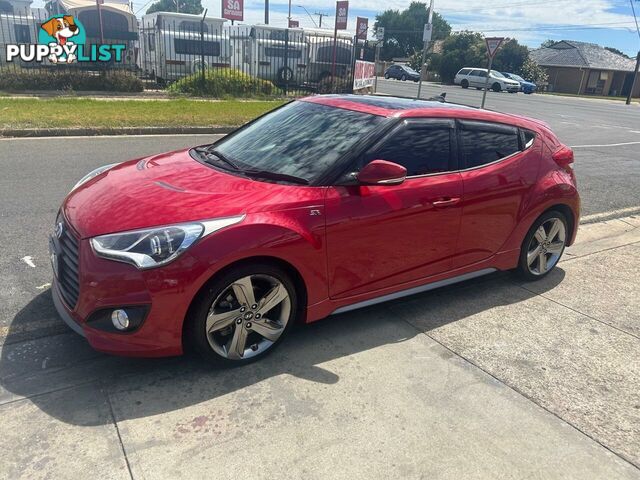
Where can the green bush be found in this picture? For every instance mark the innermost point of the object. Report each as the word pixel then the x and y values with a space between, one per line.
pixel 337 85
pixel 222 82
pixel 55 78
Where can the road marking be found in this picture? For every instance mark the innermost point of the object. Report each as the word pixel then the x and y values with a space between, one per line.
pixel 29 261
pixel 606 145
pixel 610 214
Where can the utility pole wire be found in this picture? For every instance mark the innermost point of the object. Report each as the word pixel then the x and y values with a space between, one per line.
pixel 633 9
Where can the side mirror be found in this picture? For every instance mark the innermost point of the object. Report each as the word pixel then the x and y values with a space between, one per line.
pixel 382 172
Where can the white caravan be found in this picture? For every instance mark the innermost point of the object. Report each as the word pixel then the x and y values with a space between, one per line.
pixel 172 43
pixel 276 54
pixel 321 48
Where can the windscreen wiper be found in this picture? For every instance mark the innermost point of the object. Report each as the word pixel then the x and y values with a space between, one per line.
pixel 276 176
pixel 209 153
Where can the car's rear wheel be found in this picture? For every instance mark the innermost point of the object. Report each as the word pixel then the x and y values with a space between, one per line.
pixel 243 315
pixel 543 246
pixel 496 87
pixel 464 84
pixel 403 78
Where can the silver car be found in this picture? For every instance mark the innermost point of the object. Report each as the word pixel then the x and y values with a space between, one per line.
pixel 477 77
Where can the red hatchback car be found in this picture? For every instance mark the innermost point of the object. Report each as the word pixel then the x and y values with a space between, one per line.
pixel 324 205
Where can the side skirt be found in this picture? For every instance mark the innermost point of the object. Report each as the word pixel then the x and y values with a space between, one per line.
pixel 414 290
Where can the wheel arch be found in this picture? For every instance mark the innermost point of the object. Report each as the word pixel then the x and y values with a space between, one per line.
pixel 296 277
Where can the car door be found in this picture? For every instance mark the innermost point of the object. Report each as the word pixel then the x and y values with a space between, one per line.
pixel 477 78
pixel 498 171
pixel 383 236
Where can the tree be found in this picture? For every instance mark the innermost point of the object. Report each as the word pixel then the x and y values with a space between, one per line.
pixel 510 57
pixel 463 49
pixel 547 43
pixel 403 30
pixel 533 72
pixel 185 6
pixel 615 50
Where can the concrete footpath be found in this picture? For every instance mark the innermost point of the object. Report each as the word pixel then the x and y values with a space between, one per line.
pixel 488 379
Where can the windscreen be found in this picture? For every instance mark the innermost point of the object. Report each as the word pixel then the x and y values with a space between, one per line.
pixel 302 139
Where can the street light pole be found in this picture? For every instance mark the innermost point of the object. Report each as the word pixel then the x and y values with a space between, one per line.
pixel 314 22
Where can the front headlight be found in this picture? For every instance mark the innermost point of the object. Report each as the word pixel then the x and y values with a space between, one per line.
pixel 93 173
pixel 157 246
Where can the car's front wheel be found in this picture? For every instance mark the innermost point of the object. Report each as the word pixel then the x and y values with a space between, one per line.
pixel 464 84
pixel 386 76
pixel 496 87
pixel 543 246
pixel 403 78
pixel 243 315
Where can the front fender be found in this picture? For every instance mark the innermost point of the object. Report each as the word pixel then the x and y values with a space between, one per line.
pixel 292 236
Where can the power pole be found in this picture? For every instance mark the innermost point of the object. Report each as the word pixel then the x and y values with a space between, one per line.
pixel 266 12
pixel 426 38
pixel 635 79
pixel 320 15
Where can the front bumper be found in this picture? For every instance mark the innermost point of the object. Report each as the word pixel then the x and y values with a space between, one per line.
pixel 512 88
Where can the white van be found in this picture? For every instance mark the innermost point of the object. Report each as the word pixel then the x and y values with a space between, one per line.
pixel 477 77
pixel 171 44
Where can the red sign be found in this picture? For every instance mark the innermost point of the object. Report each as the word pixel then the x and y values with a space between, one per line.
pixel 363 74
pixel 342 13
pixel 362 25
pixel 493 43
pixel 294 24
pixel 233 9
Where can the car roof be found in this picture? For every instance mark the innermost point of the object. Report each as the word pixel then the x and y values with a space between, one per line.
pixel 388 106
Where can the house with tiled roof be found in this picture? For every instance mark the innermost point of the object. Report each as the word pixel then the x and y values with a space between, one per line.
pixel 586 69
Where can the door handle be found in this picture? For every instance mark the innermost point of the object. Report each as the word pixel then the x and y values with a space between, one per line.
pixel 445 202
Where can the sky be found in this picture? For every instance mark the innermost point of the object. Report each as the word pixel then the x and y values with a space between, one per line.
pixel 605 22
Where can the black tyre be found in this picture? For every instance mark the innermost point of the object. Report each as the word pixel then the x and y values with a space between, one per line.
pixel 464 84
pixel 496 87
pixel 285 75
pixel 243 315
pixel 543 246
pixel 386 76
pixel 403 77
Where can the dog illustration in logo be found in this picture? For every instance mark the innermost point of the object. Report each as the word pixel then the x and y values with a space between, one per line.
pixel 62 29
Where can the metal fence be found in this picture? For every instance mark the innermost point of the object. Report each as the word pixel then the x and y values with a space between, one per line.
pixel 163 47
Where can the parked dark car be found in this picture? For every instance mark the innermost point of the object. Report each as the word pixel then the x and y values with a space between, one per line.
pixel 525 85
pixel 402 72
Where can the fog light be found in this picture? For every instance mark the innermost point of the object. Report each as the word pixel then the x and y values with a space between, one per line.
pixel 120 319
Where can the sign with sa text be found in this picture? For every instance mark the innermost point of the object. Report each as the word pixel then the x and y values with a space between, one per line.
pixel 362 25
pixel 342 13
pixel 233 9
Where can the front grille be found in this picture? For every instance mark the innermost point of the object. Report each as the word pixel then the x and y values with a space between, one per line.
pixel 68 271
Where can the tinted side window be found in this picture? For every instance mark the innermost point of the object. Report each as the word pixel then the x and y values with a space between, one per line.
pixel 464 71
pixel 420 149
pixel 529 137
pixel 485 143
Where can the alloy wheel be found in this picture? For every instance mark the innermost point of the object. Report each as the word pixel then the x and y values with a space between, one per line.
pixel 546 246
pixel 248 317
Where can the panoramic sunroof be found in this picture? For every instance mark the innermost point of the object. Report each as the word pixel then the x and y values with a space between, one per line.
pixel 395 103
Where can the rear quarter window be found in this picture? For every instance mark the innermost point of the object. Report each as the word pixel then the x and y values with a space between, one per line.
pixel 484 143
